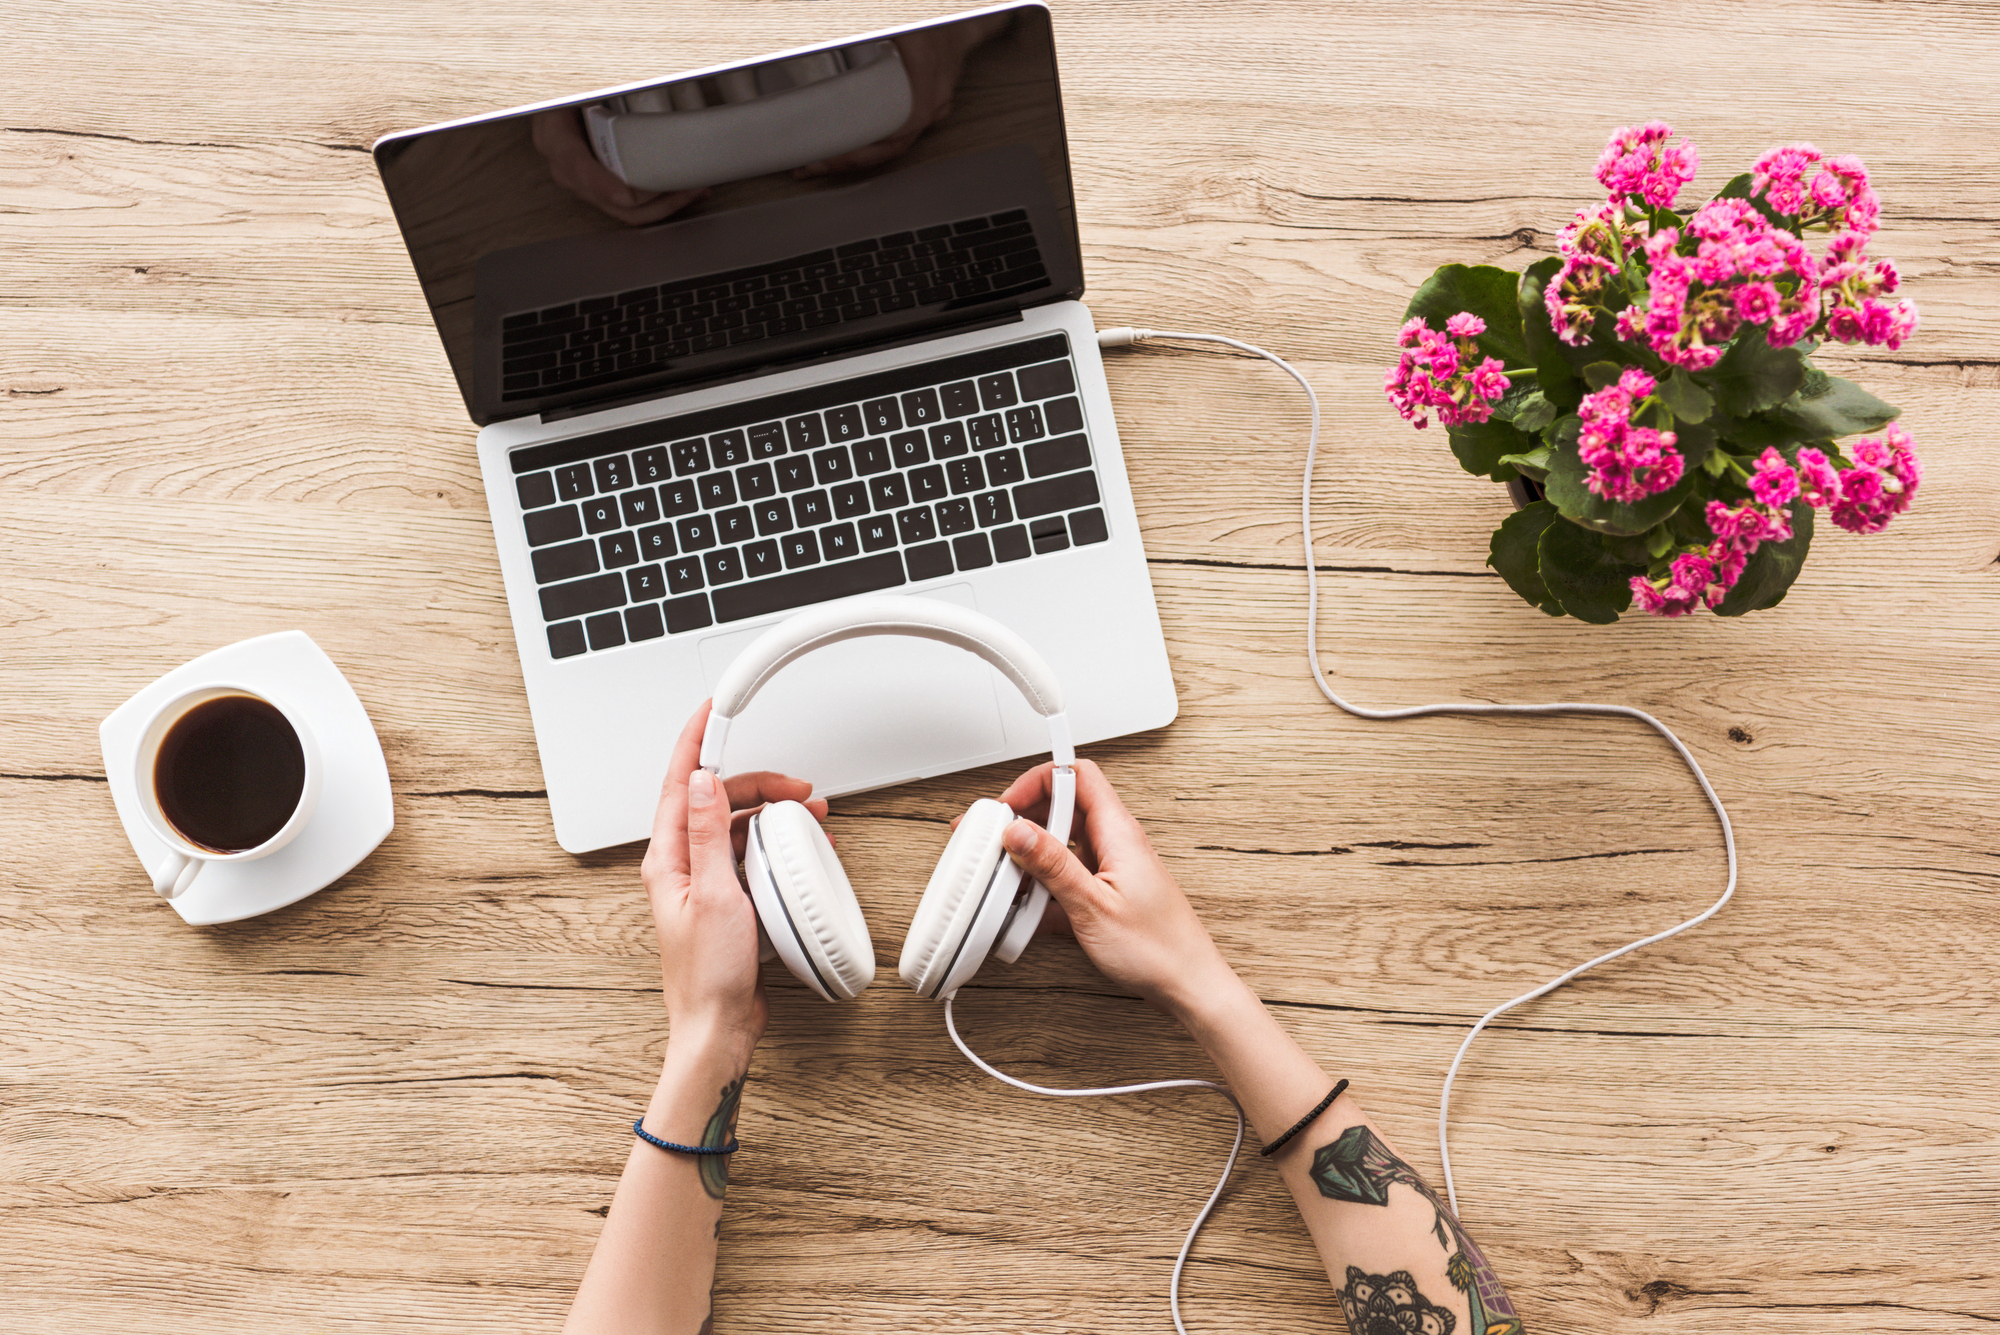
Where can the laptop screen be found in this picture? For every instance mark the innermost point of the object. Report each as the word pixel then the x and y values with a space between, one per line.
pixel 713 226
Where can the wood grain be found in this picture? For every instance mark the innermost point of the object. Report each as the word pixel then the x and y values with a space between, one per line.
pixel 398 1106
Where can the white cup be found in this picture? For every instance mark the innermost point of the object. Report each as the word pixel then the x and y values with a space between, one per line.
pixel 188 857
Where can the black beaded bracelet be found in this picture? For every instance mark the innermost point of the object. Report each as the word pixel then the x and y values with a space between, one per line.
pixel 1303 1122
pixel 639 1130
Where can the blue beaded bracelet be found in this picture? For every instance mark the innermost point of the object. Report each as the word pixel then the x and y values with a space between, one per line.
pixel 639 1130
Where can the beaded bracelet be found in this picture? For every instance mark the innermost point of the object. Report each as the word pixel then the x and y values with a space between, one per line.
pixel 639 1130
pixel 1302 1123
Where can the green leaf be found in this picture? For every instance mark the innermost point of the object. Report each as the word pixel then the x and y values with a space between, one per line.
pixel 1552 369
pixel 1535 463
pixel 1516 557
pixel 1768 577
pixel 1687 401
pixel 1488 293
pixel 1601 374
pixel 1589 582
pixel 1534 412
pixel 1480 446
pixel 1716 464
pixel 1659 541
pixel 1739 188
pixel 1753 375
pixel 1695 442
pixel 1566 488
pixel 1827 406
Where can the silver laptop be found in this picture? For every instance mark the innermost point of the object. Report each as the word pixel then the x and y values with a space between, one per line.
pixel 762 336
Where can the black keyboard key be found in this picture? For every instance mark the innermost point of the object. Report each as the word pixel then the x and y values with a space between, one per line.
pixel 930 561
pixel 810 509
pixel 513 322
pixel 882 415
pixel 773 516
pixel 993 507
pixel 948 439
pixel 868 575
pixel 645 583
pixel 839 541
pixel 728 449
pixel 889 493
pixel 614 473
pixel 844 423
pixel 921 407
pixel 601 515
pixel 767 440
pixel 1087 526
pixel 1025 423
pixel 1056 493
pixel 1046 381
pixel 618 549
pixel 716 489
pixel 996 391
pixel 656 543
pixel 908 448
pixel 652 465
pixel 1004 468
pixel 954 516
pixel 988 432
pixel 535 490
pixel 755 482
pixel 690 457
pixel 960 399
pixel 972 552
pixel 964 475
pixel 916 525
pixel 872 456
pixel 685 614
pixel 696 532
pixel 1049 534
pixel 878 533
pixel 724 567
pixel 683 574
pixel 566 640
pixel 639 506
pixel 830 466
pixel 525 382
pixel 794 473
pixel 598 305
pixel 819 318
pixel 800 549
pixel 643 623
pixel 806 432
pixel 850 500
pixel 679 498
pixel 565 562
pixel 761 559
pixel 898 301
pixel 1011 544
pixel 558 525
pixel 1063 416
pixel 1066 455
pixel 927 484
pixel 606 632
pixel 733 526
pixel 573 482
pixel 560 602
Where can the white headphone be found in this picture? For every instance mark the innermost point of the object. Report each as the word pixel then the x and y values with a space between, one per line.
pixel 976 904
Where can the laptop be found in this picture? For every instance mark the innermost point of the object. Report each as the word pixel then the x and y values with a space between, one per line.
pixel 762 336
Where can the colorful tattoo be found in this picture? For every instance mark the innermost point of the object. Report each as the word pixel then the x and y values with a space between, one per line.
pixel 1358 1167
pixel 721 1127
pixel 1390 1305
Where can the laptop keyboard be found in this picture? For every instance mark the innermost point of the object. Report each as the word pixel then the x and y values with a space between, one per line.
pixel 912 474
pixel 604 339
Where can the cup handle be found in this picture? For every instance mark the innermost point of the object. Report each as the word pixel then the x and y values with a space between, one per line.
pixel 173 879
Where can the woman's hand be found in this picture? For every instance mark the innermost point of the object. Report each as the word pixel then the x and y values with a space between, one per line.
pixel 705 920
pixel 1125 908
pixel 559 138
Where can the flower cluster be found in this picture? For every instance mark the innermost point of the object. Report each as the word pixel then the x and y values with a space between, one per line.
pixel 1703 578
pixel 1627 462
pixel 1838 196
pixel 1881 484
pixel 1437 371
pixel 1739 270
pixel 1641 162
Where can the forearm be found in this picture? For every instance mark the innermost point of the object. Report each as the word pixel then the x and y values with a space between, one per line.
pixel 654 1265
pixel 1390 1244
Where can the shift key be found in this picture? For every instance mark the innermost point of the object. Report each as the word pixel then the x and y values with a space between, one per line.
pixel 579 597
pixel 1055 494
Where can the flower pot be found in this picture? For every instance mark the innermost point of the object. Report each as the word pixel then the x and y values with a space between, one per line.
pixel 1524 491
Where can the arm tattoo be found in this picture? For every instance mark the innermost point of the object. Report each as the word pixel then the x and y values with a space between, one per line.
pixel 1358 1167
pixel 721 1126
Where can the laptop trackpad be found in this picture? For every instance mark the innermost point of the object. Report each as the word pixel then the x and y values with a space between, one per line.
pixel 865 712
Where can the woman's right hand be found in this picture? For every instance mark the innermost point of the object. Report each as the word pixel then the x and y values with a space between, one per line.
pixel 1126 909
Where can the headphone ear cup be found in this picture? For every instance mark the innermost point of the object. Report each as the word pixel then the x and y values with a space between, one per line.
pixel 807 907
pixel 950 908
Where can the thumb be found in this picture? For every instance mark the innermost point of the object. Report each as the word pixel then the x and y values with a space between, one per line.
pixel 1045 859
pixel 711 857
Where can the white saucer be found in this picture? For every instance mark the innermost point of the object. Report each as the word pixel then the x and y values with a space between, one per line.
pixel 355 811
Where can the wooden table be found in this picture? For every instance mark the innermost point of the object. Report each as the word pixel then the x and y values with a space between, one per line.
pixel 400 1105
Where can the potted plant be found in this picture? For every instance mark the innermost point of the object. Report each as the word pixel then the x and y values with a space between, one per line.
pixel 1649 390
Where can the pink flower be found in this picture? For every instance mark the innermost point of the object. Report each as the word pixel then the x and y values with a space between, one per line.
pixel 1756 302
pixel 1774 482
pixel 1778 176
pixel 1880 486
pixel 1627 462
pixel 1639 161
pixel 1818 482
pixel 1465 325
pixel 1436 373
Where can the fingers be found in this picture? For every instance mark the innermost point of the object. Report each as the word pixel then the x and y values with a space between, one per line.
pixel 1054 866
pixel 670 817
pixel 712 860
pixel 760 786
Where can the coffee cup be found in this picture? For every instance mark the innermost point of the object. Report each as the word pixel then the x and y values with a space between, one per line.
pixel 225 774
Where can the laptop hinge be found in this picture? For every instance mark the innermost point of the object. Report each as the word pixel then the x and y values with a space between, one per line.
pixel 929 334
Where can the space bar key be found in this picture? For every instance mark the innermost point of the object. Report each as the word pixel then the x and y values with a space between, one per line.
pixel 733 602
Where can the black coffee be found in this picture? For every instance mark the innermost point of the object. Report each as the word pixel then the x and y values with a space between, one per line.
pixel 230 773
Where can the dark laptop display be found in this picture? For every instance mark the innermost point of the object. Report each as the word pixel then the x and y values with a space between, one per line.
pixel 704 229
